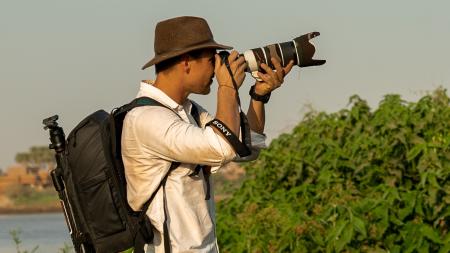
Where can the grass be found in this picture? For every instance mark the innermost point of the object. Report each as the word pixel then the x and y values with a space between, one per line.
pixel 15 234
pixel 28 196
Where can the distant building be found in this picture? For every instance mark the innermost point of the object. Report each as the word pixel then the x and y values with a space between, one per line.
pixel 22 175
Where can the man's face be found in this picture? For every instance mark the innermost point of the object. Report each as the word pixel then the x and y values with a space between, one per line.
pixel 202 72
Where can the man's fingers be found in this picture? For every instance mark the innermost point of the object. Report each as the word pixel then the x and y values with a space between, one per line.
pixel 266 68
pixel 238 62
pixel 217 63
pixel 242 68
pixel 232 56
pixel 288 68
pixel 265 77
pixel 279 69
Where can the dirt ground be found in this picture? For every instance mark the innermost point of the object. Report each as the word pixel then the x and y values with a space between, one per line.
pixel 5 201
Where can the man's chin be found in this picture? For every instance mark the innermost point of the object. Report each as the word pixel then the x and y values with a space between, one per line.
pixel 206 91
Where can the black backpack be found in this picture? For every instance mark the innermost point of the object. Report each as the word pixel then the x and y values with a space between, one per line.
pixel 91 184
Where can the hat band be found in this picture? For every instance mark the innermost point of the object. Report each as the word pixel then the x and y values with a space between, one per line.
pixel 189 46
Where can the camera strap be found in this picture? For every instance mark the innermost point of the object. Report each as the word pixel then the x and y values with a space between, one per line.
pixel 225 61
pixel 242 148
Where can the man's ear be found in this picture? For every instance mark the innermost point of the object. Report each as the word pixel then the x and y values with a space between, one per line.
pixel 186 63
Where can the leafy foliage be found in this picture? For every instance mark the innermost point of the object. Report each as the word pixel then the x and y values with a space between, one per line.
pixel 352 181
pixel 66 248
pixel 15 234
pixel 36 156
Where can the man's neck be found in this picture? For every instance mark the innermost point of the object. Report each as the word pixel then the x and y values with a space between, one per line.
pixel 172 87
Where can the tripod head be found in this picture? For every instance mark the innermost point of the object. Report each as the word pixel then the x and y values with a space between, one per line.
pixel 57 136
pixel 50 122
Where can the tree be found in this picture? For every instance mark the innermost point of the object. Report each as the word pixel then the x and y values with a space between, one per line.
pixel 37 156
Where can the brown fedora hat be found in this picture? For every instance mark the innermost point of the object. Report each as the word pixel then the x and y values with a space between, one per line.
pixel 176 36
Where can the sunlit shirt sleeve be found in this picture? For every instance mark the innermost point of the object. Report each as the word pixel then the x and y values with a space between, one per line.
pixel 173 139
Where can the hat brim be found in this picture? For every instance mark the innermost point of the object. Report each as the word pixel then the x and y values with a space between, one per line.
pixel 171 54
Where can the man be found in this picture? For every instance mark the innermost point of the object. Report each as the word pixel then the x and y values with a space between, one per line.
pixel 155 137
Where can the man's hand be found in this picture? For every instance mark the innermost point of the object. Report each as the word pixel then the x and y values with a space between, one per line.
pixel 237 66
pixel 271 80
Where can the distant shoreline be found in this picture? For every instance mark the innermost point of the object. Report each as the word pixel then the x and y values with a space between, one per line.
pixel 30 210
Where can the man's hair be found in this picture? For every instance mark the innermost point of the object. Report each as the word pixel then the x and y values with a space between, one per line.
pixel 161 66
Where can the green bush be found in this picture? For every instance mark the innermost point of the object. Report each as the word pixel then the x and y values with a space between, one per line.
pixel 352 181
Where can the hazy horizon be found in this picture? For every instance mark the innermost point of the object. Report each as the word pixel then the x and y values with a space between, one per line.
pixel 72 58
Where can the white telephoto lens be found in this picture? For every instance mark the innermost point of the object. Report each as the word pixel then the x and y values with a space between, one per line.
pixel 251 60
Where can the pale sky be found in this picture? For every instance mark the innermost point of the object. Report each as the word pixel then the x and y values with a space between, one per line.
pixel 73 57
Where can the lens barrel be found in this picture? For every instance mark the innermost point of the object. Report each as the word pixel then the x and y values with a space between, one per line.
pixel 284 52
pixel 300 50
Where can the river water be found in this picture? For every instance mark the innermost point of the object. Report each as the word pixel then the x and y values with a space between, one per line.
pixel 48 231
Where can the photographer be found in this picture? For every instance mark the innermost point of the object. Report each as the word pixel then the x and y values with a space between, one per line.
pixel 158 140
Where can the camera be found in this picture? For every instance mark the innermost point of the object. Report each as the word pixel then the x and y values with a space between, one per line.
pixel 300 50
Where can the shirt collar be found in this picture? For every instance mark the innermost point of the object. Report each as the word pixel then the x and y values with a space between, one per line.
pixel 148 90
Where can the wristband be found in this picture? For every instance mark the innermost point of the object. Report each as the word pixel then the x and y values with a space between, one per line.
pixel 264 98
pixel 227 87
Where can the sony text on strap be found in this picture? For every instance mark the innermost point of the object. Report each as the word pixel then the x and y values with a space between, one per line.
pixel 239 147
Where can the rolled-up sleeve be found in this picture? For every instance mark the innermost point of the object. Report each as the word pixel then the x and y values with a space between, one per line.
pixel 258 143
pixel 173 139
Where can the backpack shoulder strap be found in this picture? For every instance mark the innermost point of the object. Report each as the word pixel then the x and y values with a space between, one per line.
pixel 195 114
pixel 117 117
pixel 137 102
pixel 173 166
pixel 145 101
pixel 116 126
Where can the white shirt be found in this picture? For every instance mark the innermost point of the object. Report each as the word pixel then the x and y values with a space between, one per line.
pixel 153 137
